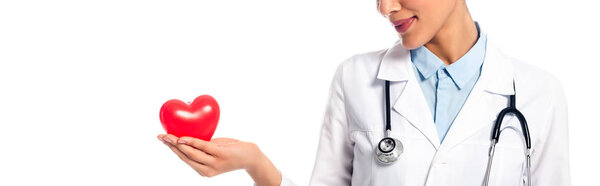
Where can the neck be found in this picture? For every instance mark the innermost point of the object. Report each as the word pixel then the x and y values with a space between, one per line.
pixel 456 37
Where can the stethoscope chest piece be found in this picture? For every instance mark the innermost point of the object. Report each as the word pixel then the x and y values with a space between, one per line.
pixel 389 150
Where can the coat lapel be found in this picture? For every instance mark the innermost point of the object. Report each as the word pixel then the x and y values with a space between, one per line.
pixel 412 105
pixel 405 93
pixel 473 116
pixel 479 111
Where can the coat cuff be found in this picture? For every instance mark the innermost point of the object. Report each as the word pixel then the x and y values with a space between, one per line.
pixel 285 181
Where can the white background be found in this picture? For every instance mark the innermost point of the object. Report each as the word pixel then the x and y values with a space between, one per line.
pixel 81 82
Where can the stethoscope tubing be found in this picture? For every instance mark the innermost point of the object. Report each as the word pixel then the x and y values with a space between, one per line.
pixel 495 137
pixel 522 121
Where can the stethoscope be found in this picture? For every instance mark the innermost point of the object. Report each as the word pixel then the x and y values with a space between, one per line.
pixel 389 149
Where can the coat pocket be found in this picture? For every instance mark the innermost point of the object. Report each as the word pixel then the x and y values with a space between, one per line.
pixel 410 168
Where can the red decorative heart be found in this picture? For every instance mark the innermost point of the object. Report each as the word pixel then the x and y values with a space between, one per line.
pixel 198 119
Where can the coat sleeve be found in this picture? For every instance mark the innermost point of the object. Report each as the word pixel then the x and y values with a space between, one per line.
pixel 333 162
pixel 550 160
pixel 285 181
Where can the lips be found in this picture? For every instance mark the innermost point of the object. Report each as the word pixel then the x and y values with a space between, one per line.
pixel 402 25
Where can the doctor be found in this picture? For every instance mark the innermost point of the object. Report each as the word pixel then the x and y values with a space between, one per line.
pixel 447 84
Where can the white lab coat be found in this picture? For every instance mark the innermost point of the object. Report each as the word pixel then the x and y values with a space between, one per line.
pixel 354 124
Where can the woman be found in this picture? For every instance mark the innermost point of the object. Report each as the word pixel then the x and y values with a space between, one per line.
pixel 448 83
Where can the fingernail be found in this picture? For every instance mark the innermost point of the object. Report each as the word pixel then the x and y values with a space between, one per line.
pixel 181 141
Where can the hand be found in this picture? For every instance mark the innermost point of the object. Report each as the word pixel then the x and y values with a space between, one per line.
pixel 220 155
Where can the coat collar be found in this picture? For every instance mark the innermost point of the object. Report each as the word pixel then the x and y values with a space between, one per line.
pixel 395 63
pixel 496 71
pixel 496 79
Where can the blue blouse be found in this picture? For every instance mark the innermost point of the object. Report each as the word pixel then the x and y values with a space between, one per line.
pixel 446 87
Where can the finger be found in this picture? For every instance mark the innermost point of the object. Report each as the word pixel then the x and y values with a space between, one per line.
pixel 200 144
pixel 203 170
pixel 160 137
pixel 196 154
pixel 170 138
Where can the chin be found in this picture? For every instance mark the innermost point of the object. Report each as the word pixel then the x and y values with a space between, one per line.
pixel 409 42
pixel 409 46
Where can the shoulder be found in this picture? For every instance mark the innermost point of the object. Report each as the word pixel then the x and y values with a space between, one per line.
pixel 540 95
pixel 529 78
pixel 364 65
pixel 364 59
pixel 537 79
